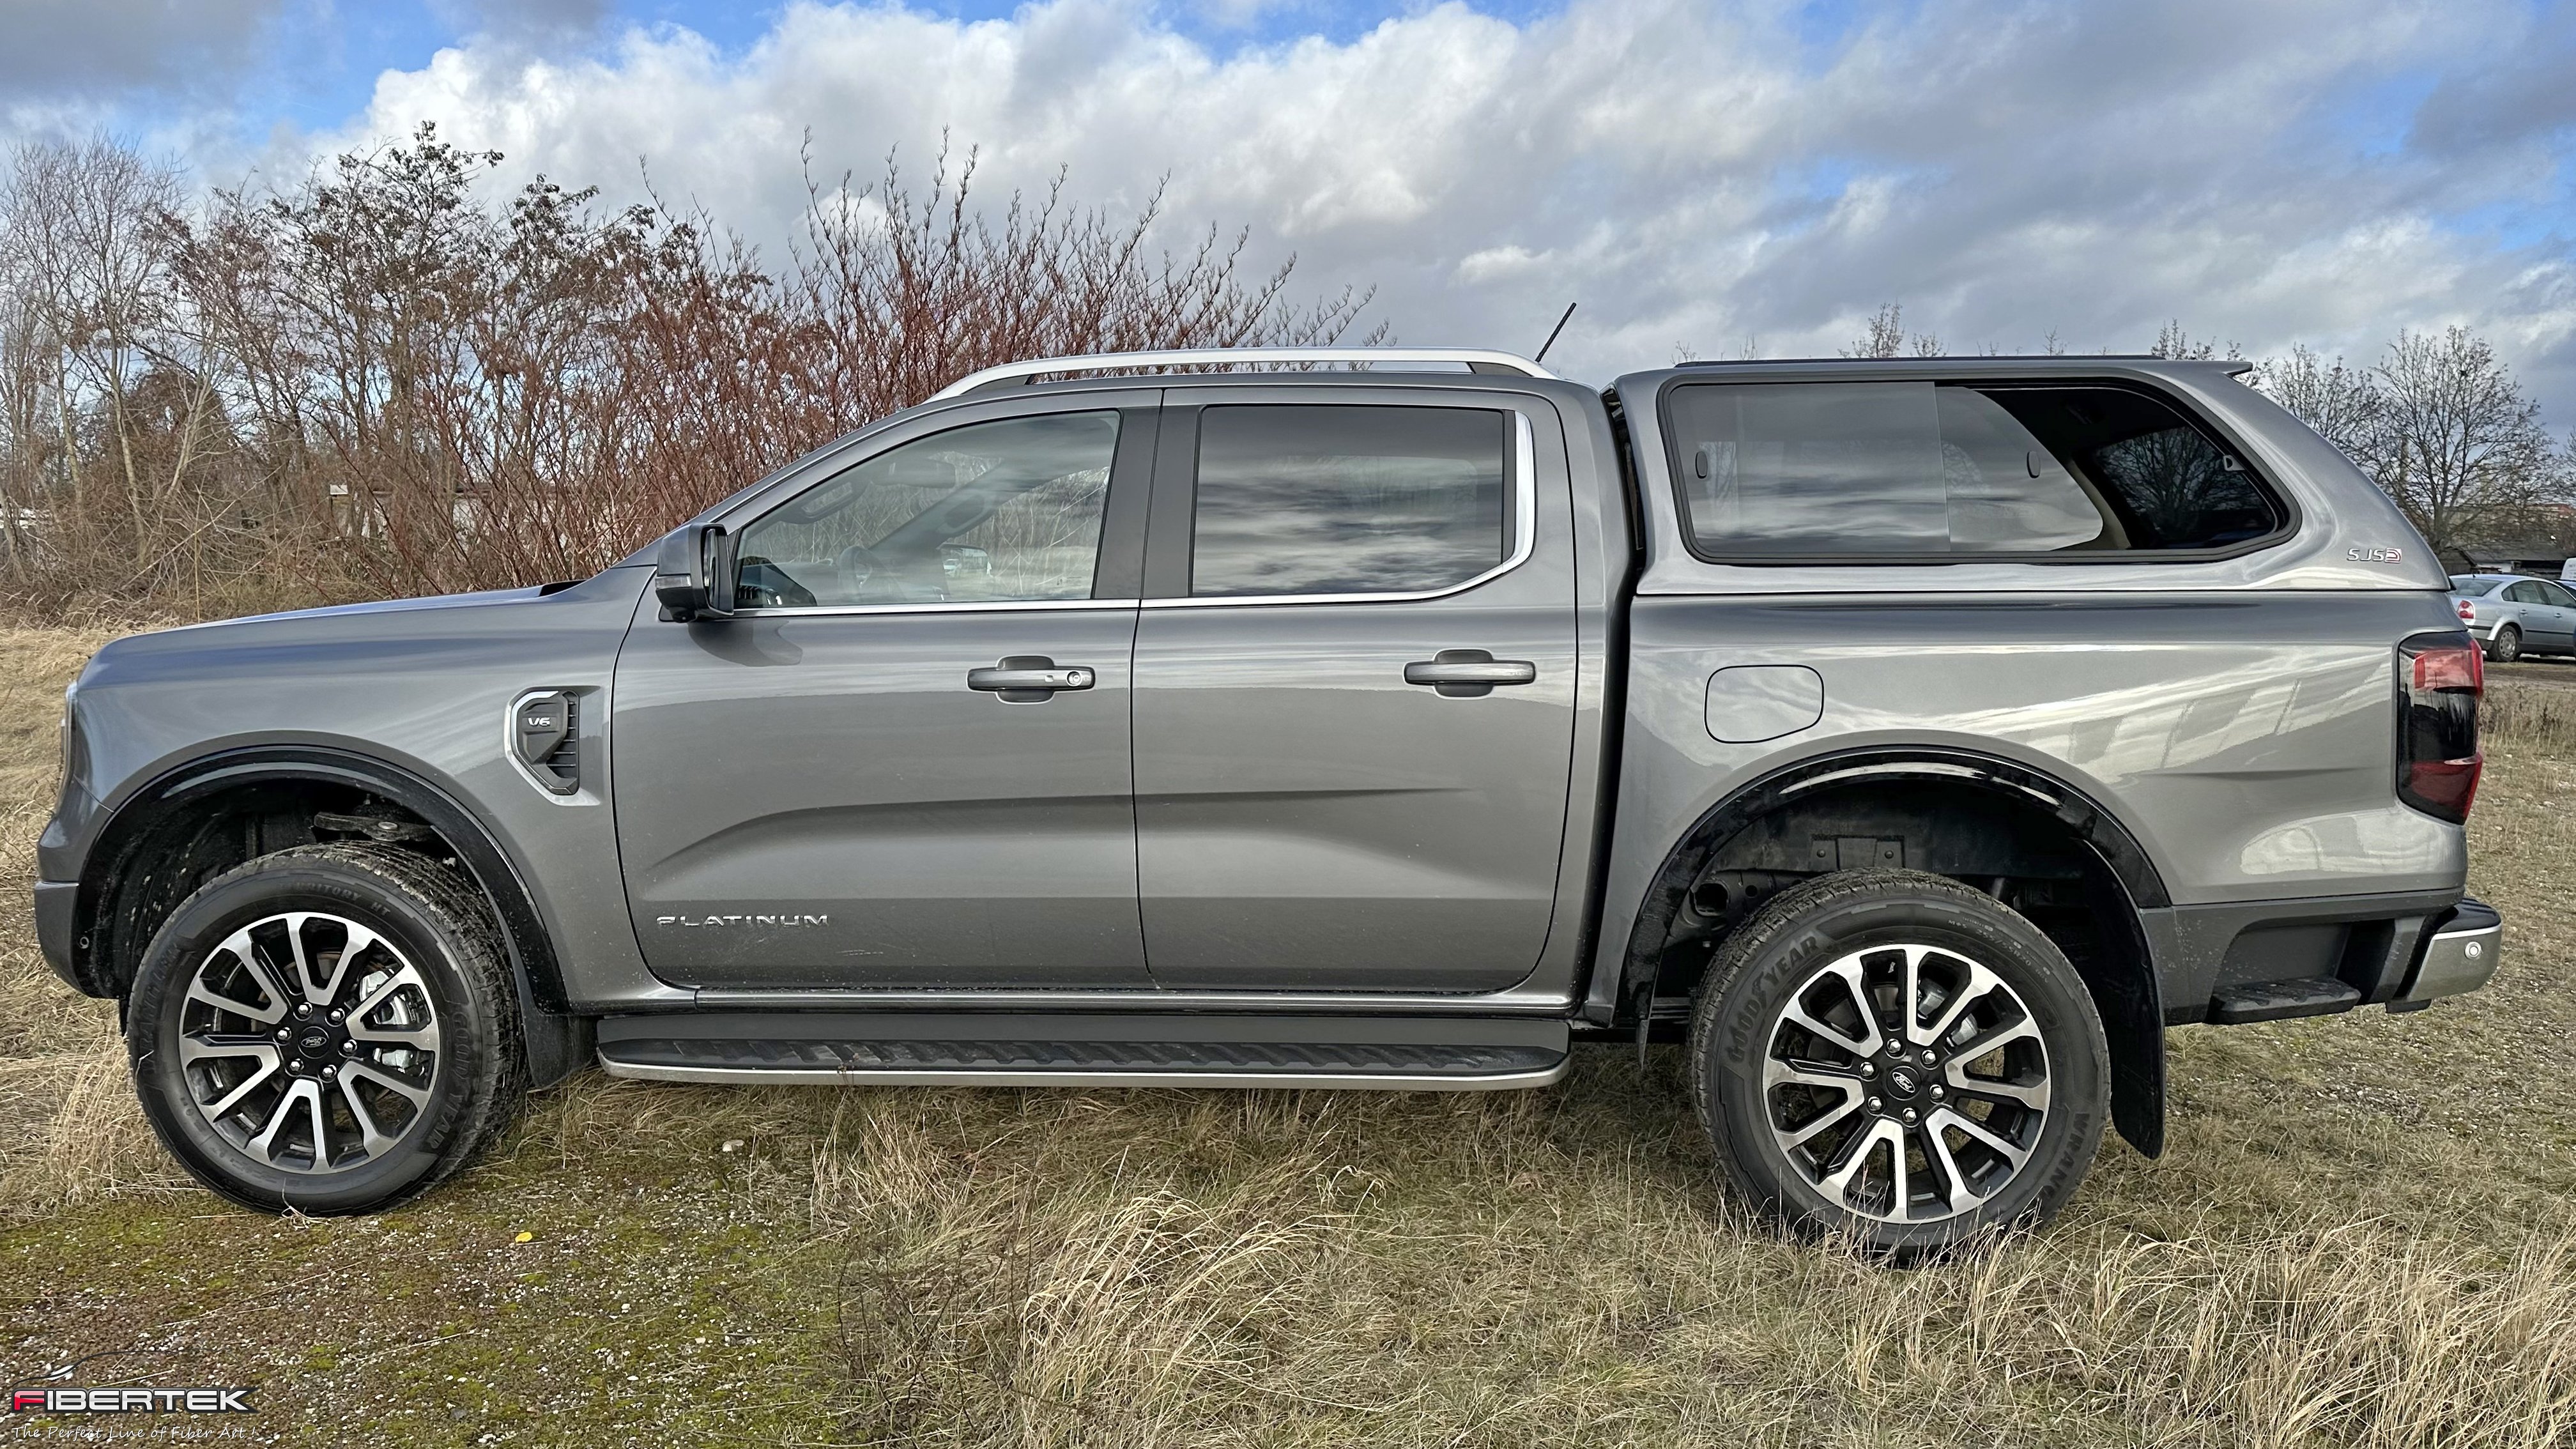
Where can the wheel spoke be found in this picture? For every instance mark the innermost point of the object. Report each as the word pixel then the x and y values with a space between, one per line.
pixel 417 1096
pixel 2028 1095
pixel 1980 981
pixel 207 1046
pixel 420 1035
pixel 1829 1118
pixel 360 938
pixel 1970 1127
pixel 1846 971
pixel 2023 1030
pixel 1912 991
pixel 239 947
pixel 370 1137
pixel 1956 1191
pixel 303 962
pixel 222 1107
pixel 1839 1183
pixel 279 1116
pixel 1900 1202
pixel 1779 1073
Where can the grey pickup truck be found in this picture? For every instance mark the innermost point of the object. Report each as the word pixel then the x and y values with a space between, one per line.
pixel 1916 740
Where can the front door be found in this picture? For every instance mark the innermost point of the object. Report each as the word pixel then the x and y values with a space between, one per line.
pixel 905 763
pixel 1354 703
pixel 2562 616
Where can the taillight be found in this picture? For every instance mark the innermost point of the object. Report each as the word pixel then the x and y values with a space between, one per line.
pixel 2468 611
pixel 2440 677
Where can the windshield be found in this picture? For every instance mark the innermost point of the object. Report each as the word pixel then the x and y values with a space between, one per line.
pixel 2472 584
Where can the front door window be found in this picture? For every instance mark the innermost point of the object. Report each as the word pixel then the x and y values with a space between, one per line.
pixel 999 512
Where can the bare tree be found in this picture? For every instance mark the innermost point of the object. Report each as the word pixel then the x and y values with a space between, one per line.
pixel 1885 337
pixel 2458 445
pixel 2173 342
pixel 2343 403
pixel 111 410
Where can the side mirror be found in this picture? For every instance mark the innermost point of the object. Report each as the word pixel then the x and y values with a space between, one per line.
pixel 695 573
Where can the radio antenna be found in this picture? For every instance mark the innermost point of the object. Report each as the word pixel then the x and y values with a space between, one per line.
pixel 1552 334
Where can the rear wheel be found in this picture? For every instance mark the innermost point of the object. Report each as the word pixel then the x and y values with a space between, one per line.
pixel 328 1029
pixel 2506 646
pixel 1898 1056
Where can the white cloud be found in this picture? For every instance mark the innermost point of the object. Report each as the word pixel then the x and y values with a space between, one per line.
pixel 1694 173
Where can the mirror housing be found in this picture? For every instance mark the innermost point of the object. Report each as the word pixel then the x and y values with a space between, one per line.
pixel 695 573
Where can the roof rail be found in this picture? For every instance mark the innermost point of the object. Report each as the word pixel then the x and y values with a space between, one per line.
pixel 1476 359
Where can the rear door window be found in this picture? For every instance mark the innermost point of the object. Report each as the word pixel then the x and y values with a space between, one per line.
pixel 1879 469
pixel 1316 499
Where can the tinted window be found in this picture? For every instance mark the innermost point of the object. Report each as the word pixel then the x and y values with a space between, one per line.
pixel 1915 468
pixel 1347 500
pixel 2524 593
pixel 1006 510
pixel 2553 594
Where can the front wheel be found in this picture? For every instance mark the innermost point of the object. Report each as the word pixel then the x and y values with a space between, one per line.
pixel 2506 646
pixel 329 1029
pixel 1897 1056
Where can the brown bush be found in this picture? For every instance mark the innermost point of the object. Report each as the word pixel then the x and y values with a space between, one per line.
pixel 380 382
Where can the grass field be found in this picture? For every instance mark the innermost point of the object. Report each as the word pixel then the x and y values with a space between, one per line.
pixel 2362 1234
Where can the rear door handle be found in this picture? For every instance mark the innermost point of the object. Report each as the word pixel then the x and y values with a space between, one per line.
pixel 1467 673
pixel 1029 678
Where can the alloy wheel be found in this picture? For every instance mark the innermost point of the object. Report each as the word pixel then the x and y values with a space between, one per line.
pixel 1906 1083
pixel 309 1042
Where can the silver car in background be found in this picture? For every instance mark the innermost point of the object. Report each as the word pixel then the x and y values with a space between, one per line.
pixel 2512 615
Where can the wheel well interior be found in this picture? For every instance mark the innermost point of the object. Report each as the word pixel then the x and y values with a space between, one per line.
pixel 158 855
pixel 1992 837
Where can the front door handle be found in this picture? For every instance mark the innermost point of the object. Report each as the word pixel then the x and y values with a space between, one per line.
pixel 1029 678
pixel 1467 673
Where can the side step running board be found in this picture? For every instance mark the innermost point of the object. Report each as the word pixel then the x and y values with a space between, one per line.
pixel 1024 1049
pixel 2281 1000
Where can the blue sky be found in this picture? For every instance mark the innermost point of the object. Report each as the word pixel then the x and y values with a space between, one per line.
pixel 1708 177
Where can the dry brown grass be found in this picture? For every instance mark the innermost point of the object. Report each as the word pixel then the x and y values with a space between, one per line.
pixel 2362 1236
pixel 65 1106
pixel 2543 714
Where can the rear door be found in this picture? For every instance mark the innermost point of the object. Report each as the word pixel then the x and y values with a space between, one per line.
pixel 1354 689
pixel 2531 613
pixel 906 763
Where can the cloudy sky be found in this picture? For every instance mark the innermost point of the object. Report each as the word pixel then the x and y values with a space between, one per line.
pixel 1711 178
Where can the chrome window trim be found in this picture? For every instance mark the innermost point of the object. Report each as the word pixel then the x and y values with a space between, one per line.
pixel 961 606
pixel 945 606
pixel 1524 540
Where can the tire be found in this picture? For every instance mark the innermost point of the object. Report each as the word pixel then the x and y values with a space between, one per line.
pixel 2506 646
pixel 1810 1142
pixel 281 1081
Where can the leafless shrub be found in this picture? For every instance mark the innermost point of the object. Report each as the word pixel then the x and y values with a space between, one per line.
pixel 381 382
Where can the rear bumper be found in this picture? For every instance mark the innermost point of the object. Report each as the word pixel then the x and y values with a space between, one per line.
pixel 2458 955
